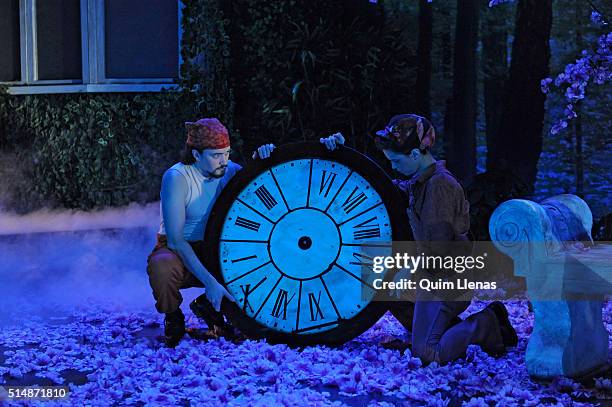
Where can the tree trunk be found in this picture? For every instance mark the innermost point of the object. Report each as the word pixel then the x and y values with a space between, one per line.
pixel 520 143
pixel 579 159
pixel 423 81
pixel 447 49
pixel 579 154
pixel 461 140
pixel 495 70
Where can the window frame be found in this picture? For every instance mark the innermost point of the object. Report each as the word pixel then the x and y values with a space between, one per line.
pixel 92 50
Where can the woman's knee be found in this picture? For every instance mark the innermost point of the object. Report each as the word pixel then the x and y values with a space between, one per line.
pixel 427 353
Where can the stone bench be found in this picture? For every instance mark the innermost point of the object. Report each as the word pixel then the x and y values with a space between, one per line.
pixel 566 285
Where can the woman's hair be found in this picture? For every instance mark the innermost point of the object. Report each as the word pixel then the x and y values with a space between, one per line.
pixel 187 155
pixel 401 136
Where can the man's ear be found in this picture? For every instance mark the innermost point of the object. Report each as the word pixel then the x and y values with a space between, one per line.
pixel 196 154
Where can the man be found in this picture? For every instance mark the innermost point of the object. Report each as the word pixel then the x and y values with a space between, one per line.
pixel 188 192
pixel 439 216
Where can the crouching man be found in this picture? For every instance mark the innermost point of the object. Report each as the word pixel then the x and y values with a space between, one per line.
pixel 188 192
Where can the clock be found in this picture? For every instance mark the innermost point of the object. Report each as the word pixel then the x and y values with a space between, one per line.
pixel 293 239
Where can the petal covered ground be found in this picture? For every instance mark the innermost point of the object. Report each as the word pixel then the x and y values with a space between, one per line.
pixel 110 356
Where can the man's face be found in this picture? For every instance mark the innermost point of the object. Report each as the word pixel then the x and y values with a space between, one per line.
pixel 213 162
pixel 406 164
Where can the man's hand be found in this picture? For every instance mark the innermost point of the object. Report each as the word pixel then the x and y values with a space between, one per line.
pixel 215 293
pixel 333 141
pixel 263 152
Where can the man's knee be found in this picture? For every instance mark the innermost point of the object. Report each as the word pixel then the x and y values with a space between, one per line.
pixel 164 268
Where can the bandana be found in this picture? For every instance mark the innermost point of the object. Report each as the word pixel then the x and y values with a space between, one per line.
pixel 403 127
pixel 207 133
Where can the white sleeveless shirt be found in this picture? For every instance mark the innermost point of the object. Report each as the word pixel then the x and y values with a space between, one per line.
pixel 202 193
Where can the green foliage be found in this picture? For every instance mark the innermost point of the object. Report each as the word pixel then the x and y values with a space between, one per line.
pixel 277 72
pixel 94 150
pixel 85 151
pixel 305 69
pixel 206 55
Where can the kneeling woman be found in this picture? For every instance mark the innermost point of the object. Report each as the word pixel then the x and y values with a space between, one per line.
pixel 439 215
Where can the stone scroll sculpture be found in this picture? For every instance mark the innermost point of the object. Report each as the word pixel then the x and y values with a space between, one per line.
pixel 567 278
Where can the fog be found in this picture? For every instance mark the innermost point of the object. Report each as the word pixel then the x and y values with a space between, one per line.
pixel 132 216
pixel 52 262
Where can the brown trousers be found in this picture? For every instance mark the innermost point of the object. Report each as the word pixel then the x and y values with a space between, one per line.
pixel 439 335
pixel 168 274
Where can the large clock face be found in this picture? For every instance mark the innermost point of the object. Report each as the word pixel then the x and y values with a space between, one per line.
pixel 296 240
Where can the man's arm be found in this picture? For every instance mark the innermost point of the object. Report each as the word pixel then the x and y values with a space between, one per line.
pixel 173 193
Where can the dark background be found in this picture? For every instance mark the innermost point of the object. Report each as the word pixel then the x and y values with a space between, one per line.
pixel 290 70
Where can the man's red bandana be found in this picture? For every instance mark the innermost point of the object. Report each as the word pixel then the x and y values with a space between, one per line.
pixel 207 133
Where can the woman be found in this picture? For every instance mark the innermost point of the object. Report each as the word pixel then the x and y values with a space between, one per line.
pixel 439 217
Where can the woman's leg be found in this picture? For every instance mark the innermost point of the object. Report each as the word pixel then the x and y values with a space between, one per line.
pixel 438 338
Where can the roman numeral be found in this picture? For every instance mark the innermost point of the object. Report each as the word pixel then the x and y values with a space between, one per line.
pixel 353 201
pixel 315 307
pixel 327 182
pixel 281 304
pixel 265 197
pixel 244 258
pixel 247 224
pixel 366 230
pixel 367 260
pixel 366 234
pixel 247 290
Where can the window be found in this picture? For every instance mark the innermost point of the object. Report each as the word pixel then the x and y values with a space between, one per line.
pixel 59 46
pixel 58 39
pixel 146 47
pixel 10 65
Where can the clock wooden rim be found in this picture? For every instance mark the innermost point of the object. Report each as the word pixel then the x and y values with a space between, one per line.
pixel 366 168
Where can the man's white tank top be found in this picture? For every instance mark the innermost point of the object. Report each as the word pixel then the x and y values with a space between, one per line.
pixel 202 192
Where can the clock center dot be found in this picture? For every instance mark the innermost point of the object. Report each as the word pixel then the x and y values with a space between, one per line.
pixel 304 243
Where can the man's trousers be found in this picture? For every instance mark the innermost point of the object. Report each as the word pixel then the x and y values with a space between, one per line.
pixel 168 275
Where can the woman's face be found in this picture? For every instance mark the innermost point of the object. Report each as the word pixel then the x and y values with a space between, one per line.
pixel 407 164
